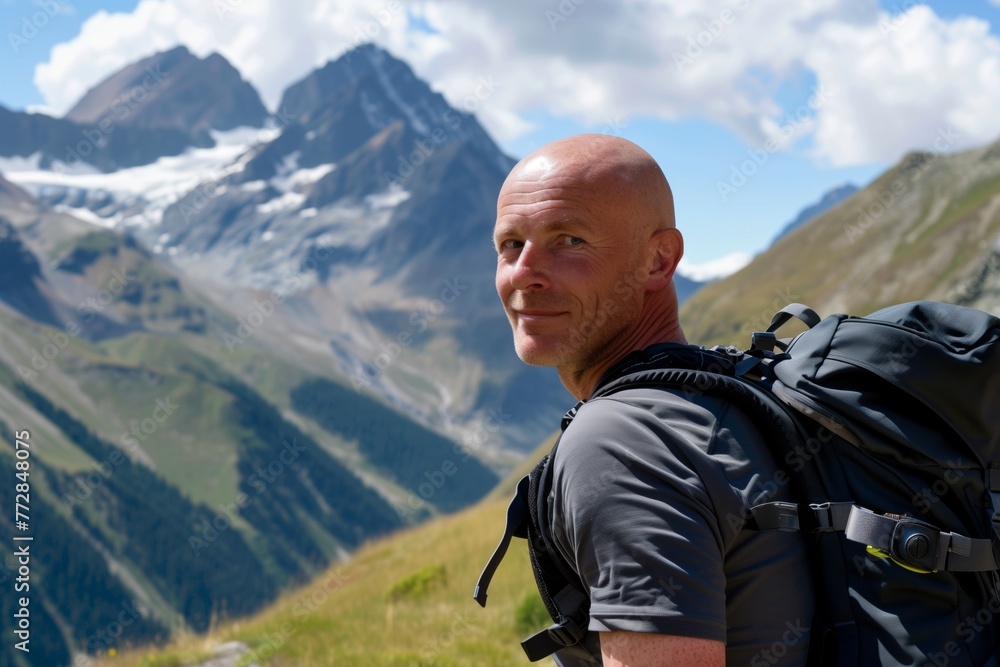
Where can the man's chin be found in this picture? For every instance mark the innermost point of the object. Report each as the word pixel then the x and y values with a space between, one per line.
pixel 536 355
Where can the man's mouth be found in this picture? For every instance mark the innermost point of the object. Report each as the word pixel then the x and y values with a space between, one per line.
pixel 537 314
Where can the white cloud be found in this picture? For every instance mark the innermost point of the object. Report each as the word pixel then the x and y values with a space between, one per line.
pixel 600 62
pixel 272 43
pixel 911 81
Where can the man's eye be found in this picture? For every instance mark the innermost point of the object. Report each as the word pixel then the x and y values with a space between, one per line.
pixel 510 244
pixel 573 240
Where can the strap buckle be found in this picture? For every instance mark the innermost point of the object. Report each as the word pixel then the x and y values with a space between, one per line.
pixel 566 632
pixel 830 517
pixel 765 341
pixel 775 516
pixel 914 545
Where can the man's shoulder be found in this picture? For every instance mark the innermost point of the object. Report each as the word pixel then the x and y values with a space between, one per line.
pixel 674 432
pixel 651 412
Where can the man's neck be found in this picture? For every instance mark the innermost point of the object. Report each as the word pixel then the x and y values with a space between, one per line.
pixel 581 383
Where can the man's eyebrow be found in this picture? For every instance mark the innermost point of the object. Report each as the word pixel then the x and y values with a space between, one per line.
pixel 559 225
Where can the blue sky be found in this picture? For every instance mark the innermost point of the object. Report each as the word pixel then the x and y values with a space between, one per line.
pixel 754 108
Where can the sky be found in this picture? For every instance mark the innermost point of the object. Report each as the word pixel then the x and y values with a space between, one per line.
pixel 753 108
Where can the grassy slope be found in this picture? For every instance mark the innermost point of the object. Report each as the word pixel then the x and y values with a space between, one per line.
pixel 916 232
pixel 350 615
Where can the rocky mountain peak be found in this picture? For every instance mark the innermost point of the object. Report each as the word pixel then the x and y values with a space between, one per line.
pixel 173 89
pixel 384 89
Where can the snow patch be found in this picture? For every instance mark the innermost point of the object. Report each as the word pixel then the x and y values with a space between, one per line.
pixel 16 163
pixel 254 186
pixel 290 178
pixel 714 269
pixel 87 215
pixel 388 199
pixel 356 224
pixel 287 200
pixel 142 193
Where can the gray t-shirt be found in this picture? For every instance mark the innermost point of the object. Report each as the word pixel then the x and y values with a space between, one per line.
pixel 647 505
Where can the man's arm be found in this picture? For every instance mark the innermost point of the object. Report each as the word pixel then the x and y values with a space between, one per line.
pixel 639 649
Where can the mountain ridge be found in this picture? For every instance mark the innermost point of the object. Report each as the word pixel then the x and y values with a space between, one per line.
pixel 928 227
pixel 932 212
pixel 172 89
pixel 325 282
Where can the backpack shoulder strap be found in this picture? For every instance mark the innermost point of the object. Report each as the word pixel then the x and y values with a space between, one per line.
pixel 784 433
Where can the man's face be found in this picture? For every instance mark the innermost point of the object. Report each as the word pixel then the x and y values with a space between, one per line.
pixel 566 272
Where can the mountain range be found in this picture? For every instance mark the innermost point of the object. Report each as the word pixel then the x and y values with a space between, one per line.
pixel 929 227
pixel 200 321
pixel 245 343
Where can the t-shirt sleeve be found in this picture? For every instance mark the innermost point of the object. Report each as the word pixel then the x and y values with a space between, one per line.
pixel 631 512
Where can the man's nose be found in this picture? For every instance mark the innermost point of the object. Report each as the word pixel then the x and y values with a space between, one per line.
pixel 531 270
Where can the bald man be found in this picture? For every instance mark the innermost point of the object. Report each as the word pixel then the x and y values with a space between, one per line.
pixel 645 482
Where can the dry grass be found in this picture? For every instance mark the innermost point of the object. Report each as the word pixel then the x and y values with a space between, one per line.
pixel 402 601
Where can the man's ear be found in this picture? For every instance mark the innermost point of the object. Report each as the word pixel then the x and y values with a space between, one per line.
pixel 666 247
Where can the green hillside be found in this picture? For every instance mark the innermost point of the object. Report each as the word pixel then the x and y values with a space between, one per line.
pixel 928 228
pixel 925 229
pixel 401 601
pixel 175 474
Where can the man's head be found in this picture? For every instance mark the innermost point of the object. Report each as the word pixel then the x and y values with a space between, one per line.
pixel 586 254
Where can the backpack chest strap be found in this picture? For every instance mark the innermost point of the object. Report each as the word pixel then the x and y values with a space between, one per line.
pixel 917 545
pixel 909 542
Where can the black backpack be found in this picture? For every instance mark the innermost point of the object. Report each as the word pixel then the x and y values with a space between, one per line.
pixel 887 428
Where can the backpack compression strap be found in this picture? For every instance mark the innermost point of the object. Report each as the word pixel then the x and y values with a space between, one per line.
pixel 564 600
pixel 517 514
